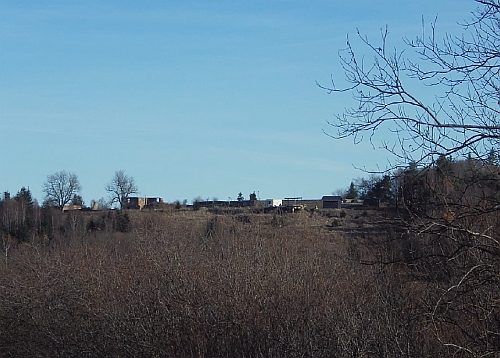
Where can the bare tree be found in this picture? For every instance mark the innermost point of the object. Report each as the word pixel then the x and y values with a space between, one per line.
pixel 61 187
pixel 443 101
pixel 120 187
pixel 461 71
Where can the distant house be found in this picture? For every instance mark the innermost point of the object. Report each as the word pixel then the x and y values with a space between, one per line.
pixel 72 207
pixel 152 202
pixel 222 203
pixel 138 203
pixel 242 203
pixel 273 203
pixel 331 202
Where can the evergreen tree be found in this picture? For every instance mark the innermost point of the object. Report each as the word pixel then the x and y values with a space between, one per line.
pixel 492 158
pixel 47 220
pixel 352 192
pixel 77 200
pixel 24 223
pixel 383 189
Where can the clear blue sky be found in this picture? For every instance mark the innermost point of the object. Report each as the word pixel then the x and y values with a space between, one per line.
pixel 192 98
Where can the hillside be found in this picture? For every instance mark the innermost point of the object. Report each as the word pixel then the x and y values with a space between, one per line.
pixel 191 284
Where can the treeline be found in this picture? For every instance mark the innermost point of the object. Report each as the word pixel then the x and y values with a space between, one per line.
pixel 24 220
pixel 422 189
pixel 416 279
pixel 435 98
pixel 445 239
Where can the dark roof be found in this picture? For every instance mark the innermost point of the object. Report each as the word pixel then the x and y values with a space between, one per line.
pixel 331 198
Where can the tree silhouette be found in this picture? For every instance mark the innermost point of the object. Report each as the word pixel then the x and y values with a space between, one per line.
pixel 61 187
pixel 449 207
pixel 121 187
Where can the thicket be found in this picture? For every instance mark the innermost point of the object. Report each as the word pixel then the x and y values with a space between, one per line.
pixel 194 284
pixel 23 220
pixel 449 209
pixel 415 279
pixel 450 222
pixel 184 286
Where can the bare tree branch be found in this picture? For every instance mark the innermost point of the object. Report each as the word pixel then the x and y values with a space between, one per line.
pixel 464 74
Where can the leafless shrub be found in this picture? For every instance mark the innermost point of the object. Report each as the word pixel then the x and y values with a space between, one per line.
pixel 171 287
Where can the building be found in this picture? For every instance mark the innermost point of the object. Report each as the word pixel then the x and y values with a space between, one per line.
pixel 273 203
pixel 72 207
pixel 138 203
pixel 331 202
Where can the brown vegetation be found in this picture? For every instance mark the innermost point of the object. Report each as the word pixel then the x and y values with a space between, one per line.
pixel 194 284
pixel 417 277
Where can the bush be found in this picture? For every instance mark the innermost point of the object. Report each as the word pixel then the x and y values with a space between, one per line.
pixel 211 227
pixel 122 221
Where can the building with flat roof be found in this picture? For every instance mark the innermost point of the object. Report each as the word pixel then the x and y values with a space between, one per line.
pixel 331 202
pixel 138 203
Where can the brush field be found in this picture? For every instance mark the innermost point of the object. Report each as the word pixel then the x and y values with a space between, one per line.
pixel 194 284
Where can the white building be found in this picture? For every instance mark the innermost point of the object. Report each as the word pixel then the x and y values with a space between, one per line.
pixel 272 203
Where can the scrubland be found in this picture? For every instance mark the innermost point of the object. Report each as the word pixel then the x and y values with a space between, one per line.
pixel 194 284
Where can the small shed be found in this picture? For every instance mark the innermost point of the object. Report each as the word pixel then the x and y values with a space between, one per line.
pixel 331 202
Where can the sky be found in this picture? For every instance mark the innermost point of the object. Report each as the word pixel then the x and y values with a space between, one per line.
pixel 191 98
